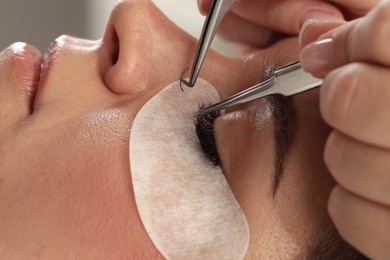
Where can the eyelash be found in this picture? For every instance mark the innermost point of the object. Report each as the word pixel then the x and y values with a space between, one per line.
pixel 204 126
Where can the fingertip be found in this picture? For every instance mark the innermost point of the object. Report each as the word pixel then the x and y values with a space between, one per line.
pixel 204 6
pixel 335 205
pixel 329 156
pixel 337 211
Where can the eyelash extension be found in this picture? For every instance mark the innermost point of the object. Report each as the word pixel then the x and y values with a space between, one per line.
pixel 204 125
pixel 182 78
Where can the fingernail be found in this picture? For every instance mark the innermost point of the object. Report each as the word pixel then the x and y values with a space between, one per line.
pixel 320 15
pixel 316 56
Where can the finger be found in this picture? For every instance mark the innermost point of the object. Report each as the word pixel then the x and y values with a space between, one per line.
pixel 267 13
pixel 204 6
pixel 354 99
pixel 366 39
pixel 364 224
pixel 313 29
pixel 238 30
pixel 360 168
pixel 285 16
pixel 356 7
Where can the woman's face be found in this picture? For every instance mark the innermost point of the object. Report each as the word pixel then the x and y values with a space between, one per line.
pixel 65 180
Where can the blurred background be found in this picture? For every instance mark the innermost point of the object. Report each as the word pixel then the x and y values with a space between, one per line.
pixel 39 22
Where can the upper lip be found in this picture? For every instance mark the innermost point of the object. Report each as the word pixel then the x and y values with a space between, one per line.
pixel 48 58
pixel 45 66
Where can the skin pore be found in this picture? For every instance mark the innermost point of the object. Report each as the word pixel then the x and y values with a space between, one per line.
pixel 65 187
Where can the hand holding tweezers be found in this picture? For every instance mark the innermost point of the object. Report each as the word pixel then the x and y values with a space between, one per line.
pixel 216 13
pixel 288 80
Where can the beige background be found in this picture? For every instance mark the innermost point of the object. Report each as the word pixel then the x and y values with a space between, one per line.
pixel 39 22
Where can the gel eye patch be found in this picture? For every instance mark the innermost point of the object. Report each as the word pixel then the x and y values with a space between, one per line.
pixel 184 201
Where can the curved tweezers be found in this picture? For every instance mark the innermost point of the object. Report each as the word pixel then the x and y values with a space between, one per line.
pixel 216 13
pixel 288 80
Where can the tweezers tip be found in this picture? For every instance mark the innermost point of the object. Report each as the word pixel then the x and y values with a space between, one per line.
pixel 187 83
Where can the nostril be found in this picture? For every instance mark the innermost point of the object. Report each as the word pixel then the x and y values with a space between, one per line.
pixel 115 46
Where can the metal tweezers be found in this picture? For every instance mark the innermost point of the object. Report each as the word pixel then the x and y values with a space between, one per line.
pixel 287 80
pixel 217 11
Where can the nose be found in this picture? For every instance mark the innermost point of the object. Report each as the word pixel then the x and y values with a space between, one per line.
pixel 144 51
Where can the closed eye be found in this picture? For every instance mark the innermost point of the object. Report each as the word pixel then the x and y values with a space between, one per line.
pixel 285 118
pixel 204 127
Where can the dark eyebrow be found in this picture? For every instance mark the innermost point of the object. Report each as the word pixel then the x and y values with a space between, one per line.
pixel 285 124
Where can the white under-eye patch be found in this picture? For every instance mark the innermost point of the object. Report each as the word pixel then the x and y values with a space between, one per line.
pixel 184 201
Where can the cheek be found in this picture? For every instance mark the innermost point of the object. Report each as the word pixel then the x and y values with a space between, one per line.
pixel 103 130
pixel 69 197
pixel 103 206
pixel 84 189
pixel 105 212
